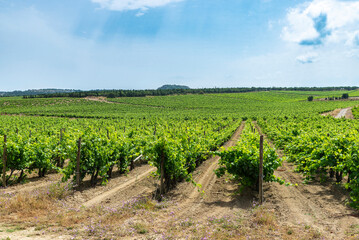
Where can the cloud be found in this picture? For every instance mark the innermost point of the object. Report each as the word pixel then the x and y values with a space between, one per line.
pixel 141 13
pixel 308 58
pixel 320 25
pixel 320 21
pixel 352 39
pixel 125 5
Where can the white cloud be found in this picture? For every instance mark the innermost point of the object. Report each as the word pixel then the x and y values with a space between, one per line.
pixel 308 58
pixel 141 13
pixel 352 39
pixel 321 21
pixel 300 27
pixel 142 5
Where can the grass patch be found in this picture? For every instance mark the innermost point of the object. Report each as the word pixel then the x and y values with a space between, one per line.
pixel 16 228
pixel 140 227
pixel 36 203
pixel 263 216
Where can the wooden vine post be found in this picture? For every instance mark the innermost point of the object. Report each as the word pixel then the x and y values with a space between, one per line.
pixel 260 170
pixel 162 186
pixel 78 163
pixel 4 158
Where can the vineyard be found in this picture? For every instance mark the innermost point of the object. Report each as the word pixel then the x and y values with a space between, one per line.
pixel 179 167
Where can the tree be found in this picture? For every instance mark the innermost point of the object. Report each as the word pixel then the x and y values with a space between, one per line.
pixel 310 98
pixel 111 95
pixel 345 96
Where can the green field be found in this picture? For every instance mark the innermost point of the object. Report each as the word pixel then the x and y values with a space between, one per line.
pixel 239 105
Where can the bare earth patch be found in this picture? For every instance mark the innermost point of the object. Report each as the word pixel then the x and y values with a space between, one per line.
pixel 339 113
pixel 98 99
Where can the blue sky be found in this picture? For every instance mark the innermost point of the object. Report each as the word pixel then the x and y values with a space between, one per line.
pixel 143 44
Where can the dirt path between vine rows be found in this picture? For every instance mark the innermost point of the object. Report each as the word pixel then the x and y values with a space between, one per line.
pixel 213 198
pixel 320 206
pixel 117 190
pixel 340 113
pixel 133 179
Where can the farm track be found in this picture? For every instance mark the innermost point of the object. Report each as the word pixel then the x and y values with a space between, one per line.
pixel 211 199
pixel 340 113
pixel 117 190
pixel 131 180
pixel 315 205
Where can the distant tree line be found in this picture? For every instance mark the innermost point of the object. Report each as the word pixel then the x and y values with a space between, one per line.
pixel 165 92
pixel 35 92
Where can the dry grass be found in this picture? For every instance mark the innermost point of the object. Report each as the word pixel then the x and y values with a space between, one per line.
pixel 139 217
pixel 37 203
pixel 263 216
pixel 27 205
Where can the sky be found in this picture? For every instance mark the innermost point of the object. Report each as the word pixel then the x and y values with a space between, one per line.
pixel 143 44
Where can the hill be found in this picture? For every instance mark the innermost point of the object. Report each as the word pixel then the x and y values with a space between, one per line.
pixel 172 86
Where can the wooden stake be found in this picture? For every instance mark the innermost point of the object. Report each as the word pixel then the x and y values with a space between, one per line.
pixel 78 163
pixel 261 170
pixel 162 187
pixel 4 158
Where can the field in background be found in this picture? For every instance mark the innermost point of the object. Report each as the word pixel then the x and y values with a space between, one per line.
pixel 253 104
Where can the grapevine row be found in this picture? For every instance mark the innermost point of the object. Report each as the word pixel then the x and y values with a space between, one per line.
pixel 38 144
pixel 321 147
pixel 242 160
